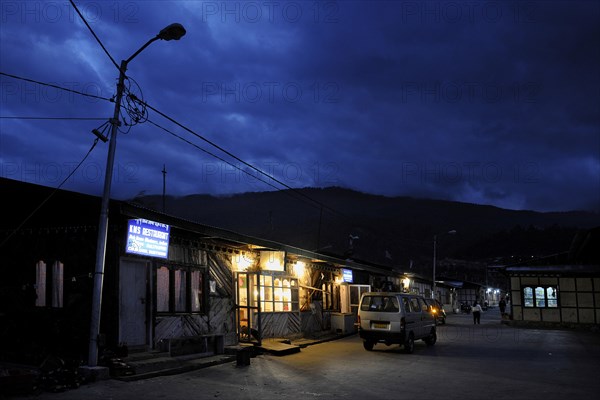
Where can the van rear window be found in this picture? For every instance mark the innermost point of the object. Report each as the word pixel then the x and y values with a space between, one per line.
pixel 380 303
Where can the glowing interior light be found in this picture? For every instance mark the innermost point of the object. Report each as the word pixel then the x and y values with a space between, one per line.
pixel 241 262
pixel 300 269
pixel 272 260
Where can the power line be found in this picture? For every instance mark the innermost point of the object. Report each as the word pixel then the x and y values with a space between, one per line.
pixel 57 118
pixel 55 86
pixel 209 153
pixel 289 193
pixel 49 196
pixel 135 98
pixel 93 33
pixel 234 156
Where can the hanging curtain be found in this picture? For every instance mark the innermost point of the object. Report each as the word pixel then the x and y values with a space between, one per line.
pixel 57 284
pixel 180 290
pixel 40 284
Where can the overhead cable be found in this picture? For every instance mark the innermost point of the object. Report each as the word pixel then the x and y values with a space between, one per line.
pixel 55 86
pixel 209 153
pixel 49 196
pixel 93 33
pixel 56 118
pixel 233 155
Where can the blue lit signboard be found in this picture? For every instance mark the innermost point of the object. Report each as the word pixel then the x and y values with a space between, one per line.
pixel 147 238
pixel 346 275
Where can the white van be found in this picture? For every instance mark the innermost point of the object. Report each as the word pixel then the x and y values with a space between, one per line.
pixel 395 318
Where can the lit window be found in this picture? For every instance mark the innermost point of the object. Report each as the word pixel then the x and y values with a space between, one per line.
pixel 49 282
pixel 356 292
pixel 278 293
pixel 540 296
pixel 551 297
pixel 528 297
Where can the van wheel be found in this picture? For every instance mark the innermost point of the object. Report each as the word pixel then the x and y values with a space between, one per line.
pixel 431 339
pixel 368 345
pixel 409 344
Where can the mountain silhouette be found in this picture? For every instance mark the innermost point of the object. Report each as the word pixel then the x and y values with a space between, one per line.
pixel 393 231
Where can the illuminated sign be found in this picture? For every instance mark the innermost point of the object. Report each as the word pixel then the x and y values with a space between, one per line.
pixel 346 275
pixel 147 238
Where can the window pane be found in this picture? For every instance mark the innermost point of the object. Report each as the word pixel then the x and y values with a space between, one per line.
pixel 196 291
pixel 268 293
pixel 551 296
pixel 268 280
pixel 180 290
pixel 528 297
pixel 406 304
pixel 162 289
pixel 295 295
pixel 540 299
pixel 277 293
pixel 243 289
pixel 366 304
pixel 391 304
pixel 268 306
pixel 414 305
pixel 354 294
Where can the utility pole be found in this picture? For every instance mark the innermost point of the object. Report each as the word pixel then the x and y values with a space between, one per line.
pixel 103 225
pixel 172 32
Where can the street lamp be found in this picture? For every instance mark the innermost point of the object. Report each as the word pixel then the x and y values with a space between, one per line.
pixel 172 32
pixel 452 232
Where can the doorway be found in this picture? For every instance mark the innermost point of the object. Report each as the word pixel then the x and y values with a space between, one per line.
pixel 247 302
pixel 133 304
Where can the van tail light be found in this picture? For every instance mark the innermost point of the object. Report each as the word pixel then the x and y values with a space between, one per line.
pixel 358 319
pixel 402 323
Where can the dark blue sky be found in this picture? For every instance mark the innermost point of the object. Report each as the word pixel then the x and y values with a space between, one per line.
pixel 483 102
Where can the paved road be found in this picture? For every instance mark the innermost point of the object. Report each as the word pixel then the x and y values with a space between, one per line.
pixel 487 361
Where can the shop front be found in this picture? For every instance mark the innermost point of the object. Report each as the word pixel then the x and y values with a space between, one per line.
pixel 282 294
pixel 267 296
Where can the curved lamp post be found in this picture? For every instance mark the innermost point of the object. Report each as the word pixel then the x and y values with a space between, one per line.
pixel 172 32
pixel 452 232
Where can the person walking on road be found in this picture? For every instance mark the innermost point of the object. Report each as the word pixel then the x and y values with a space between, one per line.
pixel 502 305
pixel 476 313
